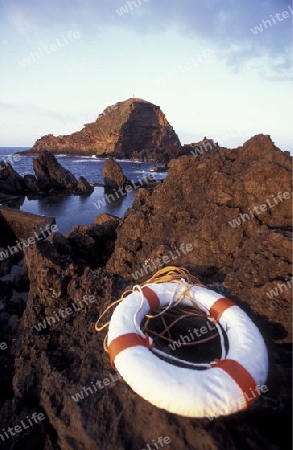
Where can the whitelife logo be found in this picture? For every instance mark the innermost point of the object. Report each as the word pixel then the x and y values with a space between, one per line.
pixel 242 217
pixel 124 9
pixel 279 289
pixel 259 28
pixel 24 243
pixel 64 313
pixel 10 159
pixel 161 440
pixel 22 426
pixel 206 56
pixel 3 346
pixel 122 192
pixel 197 151
pixel 197 331
pixel 92 389
pixel 48 49
pixel 245 398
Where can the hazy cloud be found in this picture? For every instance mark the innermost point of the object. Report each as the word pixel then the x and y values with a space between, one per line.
pixel 33 110
pixel 226 25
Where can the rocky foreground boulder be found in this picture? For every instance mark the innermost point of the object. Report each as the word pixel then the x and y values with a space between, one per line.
pixel 133 129
pixel 233 211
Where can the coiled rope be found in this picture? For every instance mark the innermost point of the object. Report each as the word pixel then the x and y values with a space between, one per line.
pixel 165 275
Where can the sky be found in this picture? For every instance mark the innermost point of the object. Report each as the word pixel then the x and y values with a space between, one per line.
pixel 204 62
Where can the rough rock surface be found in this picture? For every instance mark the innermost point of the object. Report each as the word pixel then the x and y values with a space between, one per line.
pixel 114 177
pixel 50 173
pixel 132 129
pixel 10 181
pixel 92 245
pixel 194 205
pixel 16 225
pixel 61 358
pixel 19 225
pixel 31 183
pixel 197 201
pixel 83 187
pixel 206 145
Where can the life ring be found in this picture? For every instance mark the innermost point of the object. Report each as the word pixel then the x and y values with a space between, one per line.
pixel 188 392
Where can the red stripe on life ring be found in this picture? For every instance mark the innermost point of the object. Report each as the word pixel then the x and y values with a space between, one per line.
pixel 241 377
pixel 219 307
pixel 125 341
pixel 152 298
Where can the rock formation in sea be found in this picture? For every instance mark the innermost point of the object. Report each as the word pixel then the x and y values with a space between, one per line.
pixel 234 208
pixel 49 176
pixel 133 129
pixel 83 187
pixel 114 177
pixel 11 183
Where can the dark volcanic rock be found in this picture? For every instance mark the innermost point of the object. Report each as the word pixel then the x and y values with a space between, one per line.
pixel 16 225
pixel 108 221
pixel 50 173
pixel 5 264
pixel 57 280
pixel 83 187
pixel 32 184
pixel 200 148
pixel 10 181
pixel 21 225
pixel 197 201
pixel 194 205
pixel 132 129
pixel 93 245
pixel 113 175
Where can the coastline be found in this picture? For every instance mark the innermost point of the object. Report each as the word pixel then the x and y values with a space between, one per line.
pixel 48 339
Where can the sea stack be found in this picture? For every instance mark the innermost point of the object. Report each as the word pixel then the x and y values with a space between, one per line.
pixel 133 129
pixel 114 177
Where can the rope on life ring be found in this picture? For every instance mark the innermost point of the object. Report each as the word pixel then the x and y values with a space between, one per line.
pixel 213 388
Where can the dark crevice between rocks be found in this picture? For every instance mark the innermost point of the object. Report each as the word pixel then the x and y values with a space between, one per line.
pixel 90 246
pixel 39 436
pixel 60 359
pixel 285 231
pixel 14 286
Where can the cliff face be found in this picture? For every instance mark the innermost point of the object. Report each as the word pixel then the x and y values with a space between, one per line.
pixel 133 129
pixel 113 175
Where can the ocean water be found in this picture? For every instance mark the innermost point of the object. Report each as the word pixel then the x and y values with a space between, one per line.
pixel 71 210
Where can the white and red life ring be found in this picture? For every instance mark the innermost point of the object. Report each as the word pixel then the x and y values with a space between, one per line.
pixel 187 391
